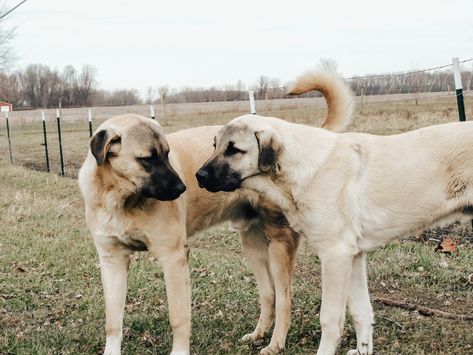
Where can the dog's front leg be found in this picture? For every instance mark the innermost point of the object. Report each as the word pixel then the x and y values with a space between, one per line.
pixel 174 260
pixel 360 308
pixel 336 274
pixel 114 262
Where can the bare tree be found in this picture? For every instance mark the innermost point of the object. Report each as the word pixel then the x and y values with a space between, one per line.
pixel 85 84
pixel 69 80
pixel 116 98
pixel 150 95
pixel 42 86
pixel 240 87
pixel 6 35
pixel 163 94
pixel 126 97
pixel 275 89
pixel 262 82
pixel 328 64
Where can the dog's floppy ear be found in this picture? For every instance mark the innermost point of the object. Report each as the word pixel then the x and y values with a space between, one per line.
pixel 101 142
pixel 270 148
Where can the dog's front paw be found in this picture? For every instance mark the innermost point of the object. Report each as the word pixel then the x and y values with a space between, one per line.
pixel 271 350
pixel 251 337
pixel 358 352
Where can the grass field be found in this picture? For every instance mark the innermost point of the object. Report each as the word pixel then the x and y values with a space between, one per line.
pixel 50 290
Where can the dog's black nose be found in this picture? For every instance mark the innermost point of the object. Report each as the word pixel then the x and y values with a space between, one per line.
pixel 180 187
pixel 202 175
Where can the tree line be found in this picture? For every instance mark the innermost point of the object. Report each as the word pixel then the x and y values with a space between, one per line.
pixel 39 86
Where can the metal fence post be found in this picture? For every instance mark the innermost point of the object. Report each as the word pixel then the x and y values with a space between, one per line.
pixel 251 95
pixel 58 116
pixel 459 89
pixel 8 135
pixel 151 111
pixel 45 142
pixel 90 123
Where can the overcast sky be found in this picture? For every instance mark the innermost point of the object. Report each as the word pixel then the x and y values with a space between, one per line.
pixel 206 43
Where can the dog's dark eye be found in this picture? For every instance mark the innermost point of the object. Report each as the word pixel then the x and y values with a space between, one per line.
pixel 232 150
pixel 150 160
pixel 145 161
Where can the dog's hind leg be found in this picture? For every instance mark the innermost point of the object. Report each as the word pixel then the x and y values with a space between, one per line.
pixel 360 308
pixel 114 262
pixel 256 251
pixel 283 244
pixel 336 275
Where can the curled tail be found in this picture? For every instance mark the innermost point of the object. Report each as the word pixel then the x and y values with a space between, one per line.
pixel 337 94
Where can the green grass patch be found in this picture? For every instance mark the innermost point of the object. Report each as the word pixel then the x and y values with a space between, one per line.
pixel 52 302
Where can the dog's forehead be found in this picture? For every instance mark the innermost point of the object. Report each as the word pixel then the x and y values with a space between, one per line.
pixel 141 132
pixel 142 138
pixel 234 132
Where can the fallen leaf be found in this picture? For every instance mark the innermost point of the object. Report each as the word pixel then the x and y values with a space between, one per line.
pixel 447 245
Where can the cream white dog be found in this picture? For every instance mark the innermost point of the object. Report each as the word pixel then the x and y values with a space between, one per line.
pixel 348 193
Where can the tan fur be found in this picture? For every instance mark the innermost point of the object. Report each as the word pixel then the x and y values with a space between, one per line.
pixel 338 95
pixel 121 223
pixel 348 193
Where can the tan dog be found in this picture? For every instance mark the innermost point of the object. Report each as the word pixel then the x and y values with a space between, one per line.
pixel 348 193
pixel 131 172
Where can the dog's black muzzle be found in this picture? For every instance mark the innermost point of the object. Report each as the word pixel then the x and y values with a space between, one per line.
pixel 164 183
pixel 218 177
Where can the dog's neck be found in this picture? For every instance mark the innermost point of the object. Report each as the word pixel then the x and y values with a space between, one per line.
pixel 114 198
pixel 286 185
pixel 299 163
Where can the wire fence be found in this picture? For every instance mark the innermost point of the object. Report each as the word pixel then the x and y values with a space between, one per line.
pixel 427 82
pixel 57 141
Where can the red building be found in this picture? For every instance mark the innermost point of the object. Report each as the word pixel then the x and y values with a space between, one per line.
pixel 5 106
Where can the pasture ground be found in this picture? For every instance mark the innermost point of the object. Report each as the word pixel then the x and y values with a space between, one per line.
pixel 50 290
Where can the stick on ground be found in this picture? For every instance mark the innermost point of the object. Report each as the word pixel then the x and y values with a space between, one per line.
pixel 425 311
